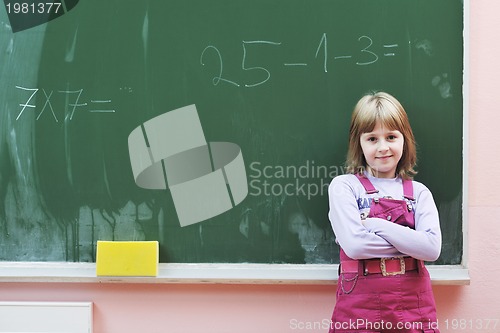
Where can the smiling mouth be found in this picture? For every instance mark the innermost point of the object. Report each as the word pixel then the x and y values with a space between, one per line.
pixel 384 157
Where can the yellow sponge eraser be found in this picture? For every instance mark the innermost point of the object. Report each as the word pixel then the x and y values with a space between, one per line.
pixel 127 258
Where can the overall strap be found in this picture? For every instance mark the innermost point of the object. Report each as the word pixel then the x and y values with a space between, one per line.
pixel 367 184
pixel 370 189
pixel 408 189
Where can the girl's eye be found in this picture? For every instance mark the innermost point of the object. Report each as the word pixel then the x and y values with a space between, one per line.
pixel 372 139
pixel 391 137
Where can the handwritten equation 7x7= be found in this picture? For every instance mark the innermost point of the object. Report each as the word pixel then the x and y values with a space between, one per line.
pixel 73 102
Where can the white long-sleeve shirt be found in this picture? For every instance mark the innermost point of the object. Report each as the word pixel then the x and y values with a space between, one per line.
pixel 375 237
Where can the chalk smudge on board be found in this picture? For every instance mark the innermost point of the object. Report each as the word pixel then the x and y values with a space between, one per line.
pixel 426 46
pixel 70 52
pixel 443 84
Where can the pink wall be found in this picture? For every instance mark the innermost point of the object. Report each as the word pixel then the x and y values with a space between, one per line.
pixel 130 308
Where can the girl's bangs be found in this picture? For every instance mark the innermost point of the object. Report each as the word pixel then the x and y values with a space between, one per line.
pixel 384 113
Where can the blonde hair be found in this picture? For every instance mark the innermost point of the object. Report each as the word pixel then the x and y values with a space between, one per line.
pixel 384 108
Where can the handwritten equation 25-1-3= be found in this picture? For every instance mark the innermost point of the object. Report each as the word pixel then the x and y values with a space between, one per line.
pixel 363 57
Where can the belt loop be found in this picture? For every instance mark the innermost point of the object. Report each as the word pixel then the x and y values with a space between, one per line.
pixel 420 266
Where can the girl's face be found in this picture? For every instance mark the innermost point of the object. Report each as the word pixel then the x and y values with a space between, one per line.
pixel 382 149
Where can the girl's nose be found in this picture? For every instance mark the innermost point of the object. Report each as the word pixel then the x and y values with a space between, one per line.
pixel 382 145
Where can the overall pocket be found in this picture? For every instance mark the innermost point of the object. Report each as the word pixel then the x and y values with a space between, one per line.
pixel 397 211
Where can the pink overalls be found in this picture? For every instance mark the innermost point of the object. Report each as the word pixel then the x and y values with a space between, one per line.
pixel 388 294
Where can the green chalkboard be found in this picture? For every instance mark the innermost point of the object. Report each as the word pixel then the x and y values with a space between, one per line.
pixel 278 78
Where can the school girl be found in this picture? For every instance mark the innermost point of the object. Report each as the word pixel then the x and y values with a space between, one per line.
pixel 386 224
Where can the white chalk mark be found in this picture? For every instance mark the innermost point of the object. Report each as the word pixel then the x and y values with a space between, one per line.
pixel 343 57
pixel 261 42
pixel 425 45
pixel 224 80
pixel 145 34
pixel 74 105
pixel 435 80
pixel 47 102
pixel 10 47
pixel 295 64
pixel 443 85
pixel 216 79
pixel 26 105
pixel 243 63
pixel 70 52
pixel 390 46
pixel 365 50
pixel 325 52
pixel 99 101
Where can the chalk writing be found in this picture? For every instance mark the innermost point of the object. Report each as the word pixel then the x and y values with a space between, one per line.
pixel 365 55
pixel 26 105
pixel 49 104
pixel 373 56
pixel 73 102
pixel 323 41
pixel 101 102
pixel 268 74
pixel 216 79
pixel 391 46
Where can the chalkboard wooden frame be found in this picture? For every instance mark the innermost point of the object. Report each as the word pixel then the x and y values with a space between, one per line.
pixel 251 273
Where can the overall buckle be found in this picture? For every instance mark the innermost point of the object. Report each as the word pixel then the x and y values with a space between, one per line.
pixel 383 267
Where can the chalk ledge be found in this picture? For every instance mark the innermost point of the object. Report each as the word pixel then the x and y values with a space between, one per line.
pixel 207 273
